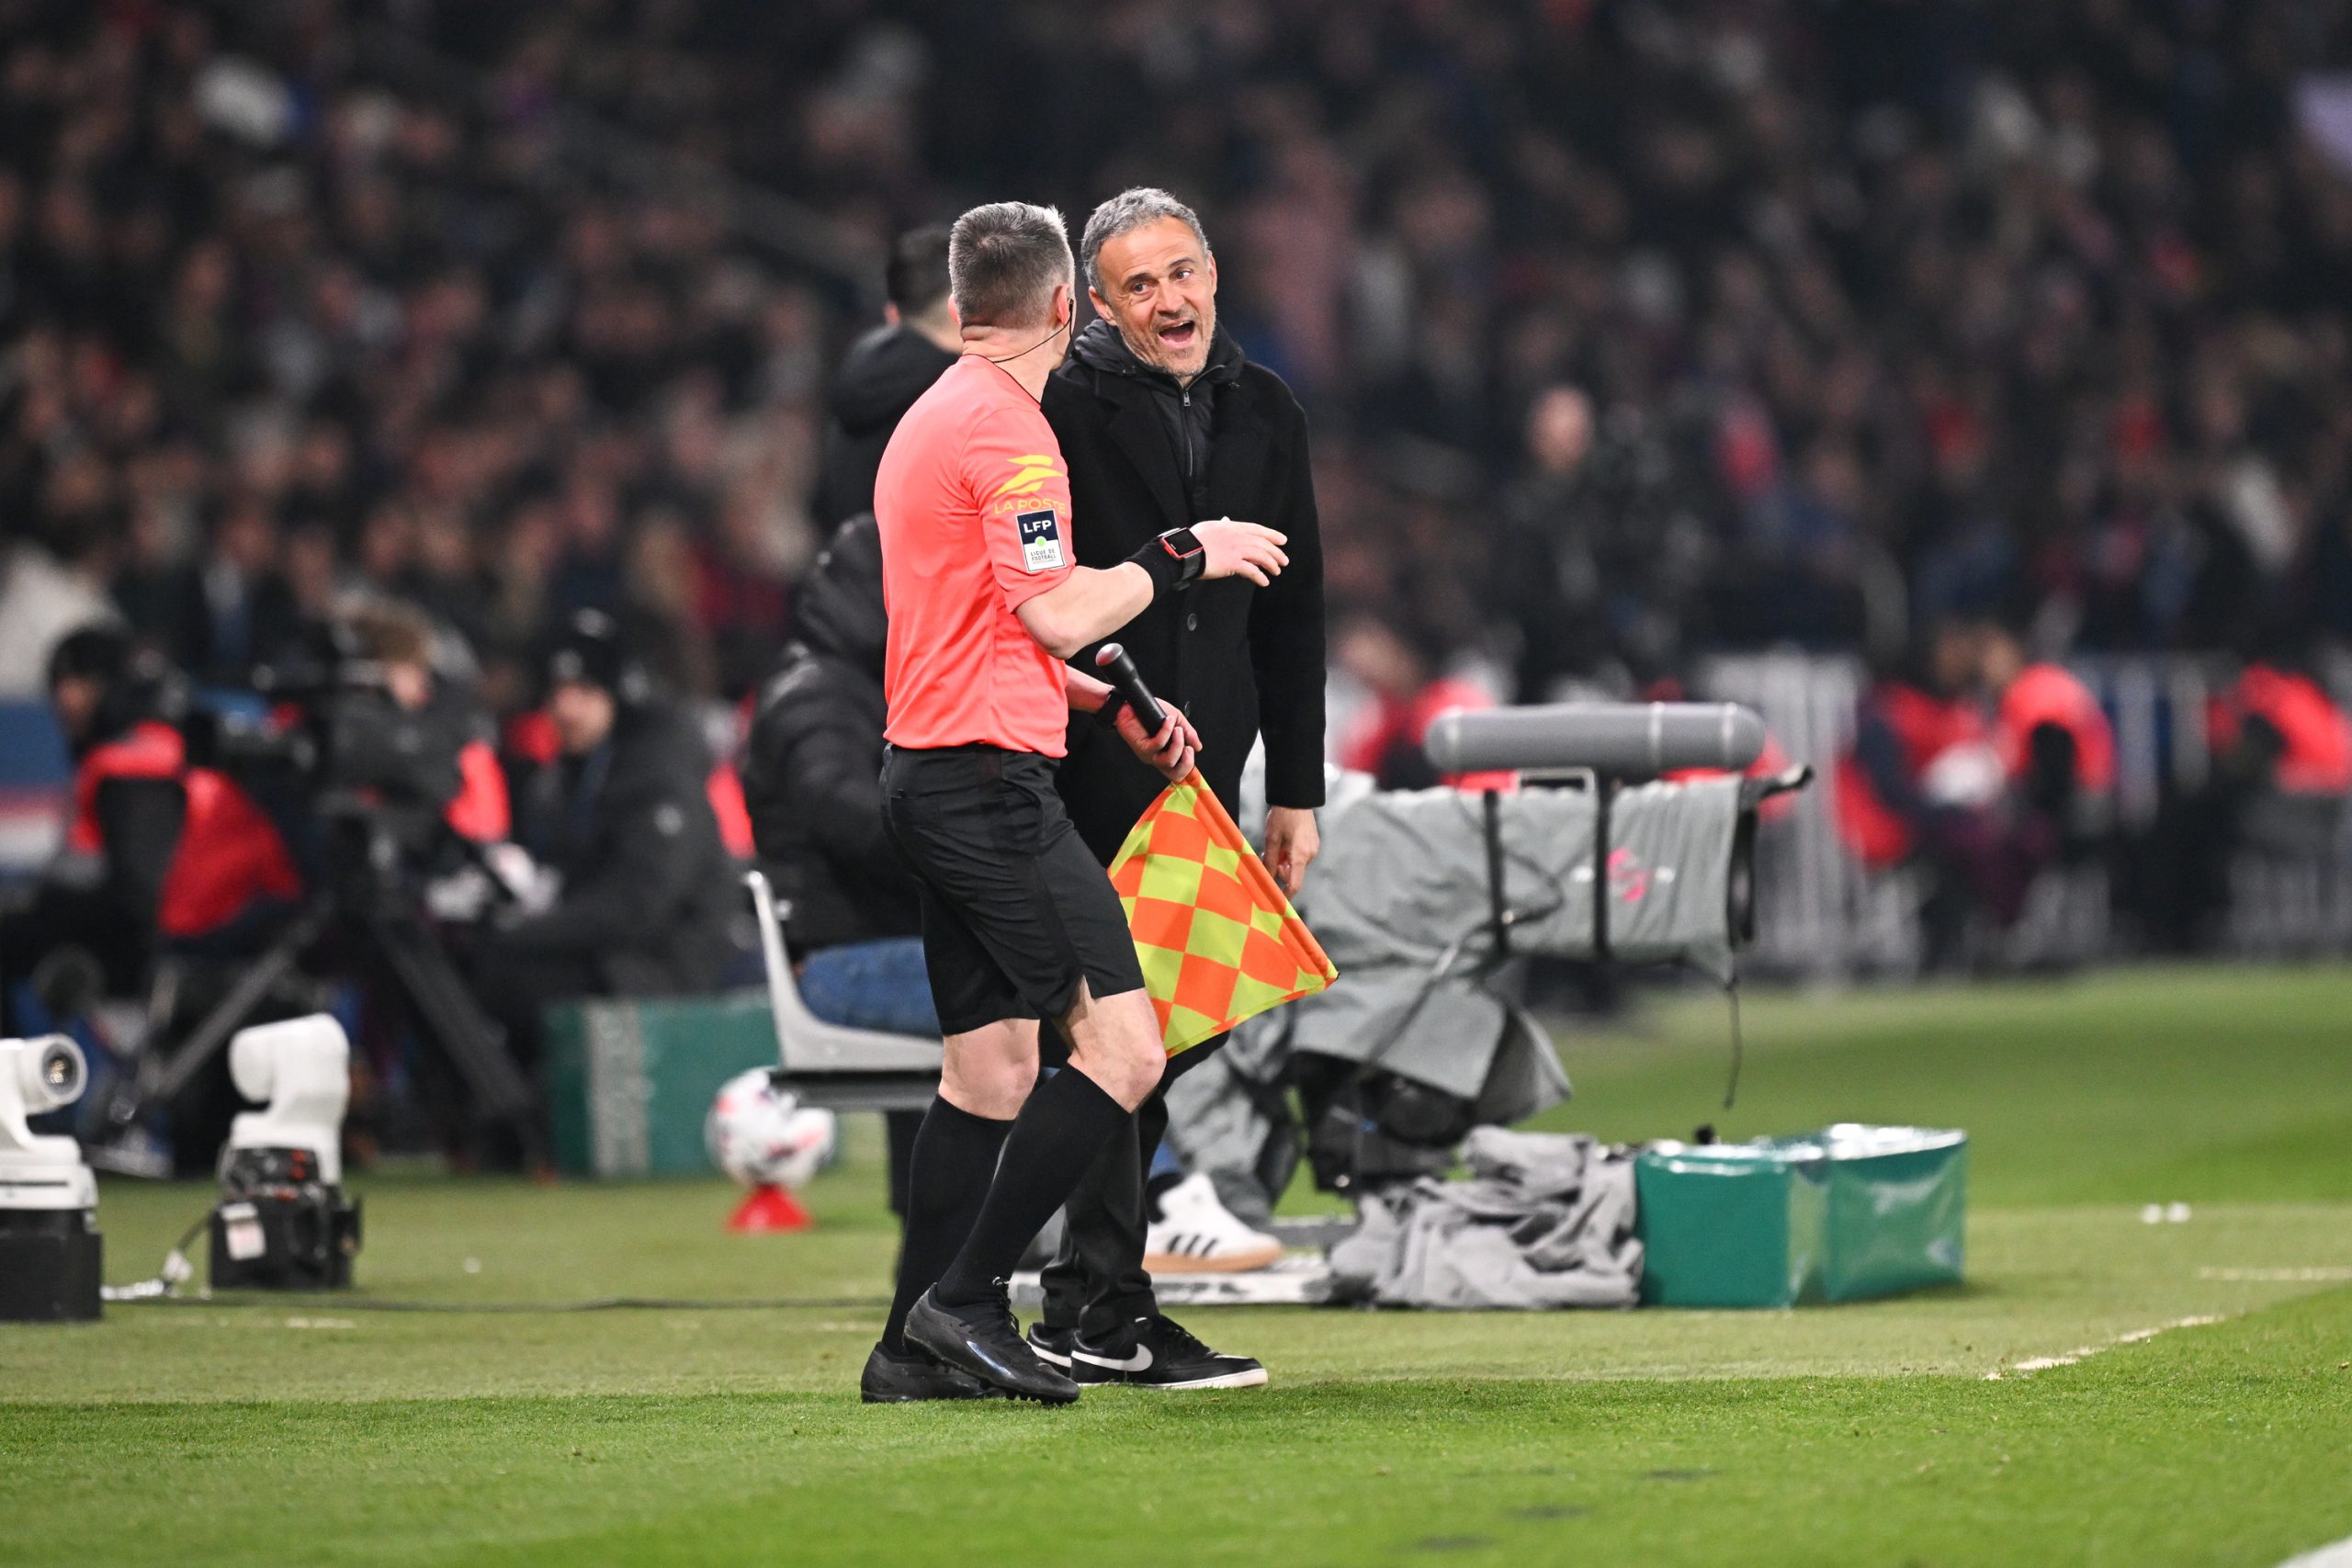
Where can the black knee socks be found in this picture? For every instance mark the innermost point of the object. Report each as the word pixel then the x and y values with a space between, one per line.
pixel 1058 1134
pixel 955 1155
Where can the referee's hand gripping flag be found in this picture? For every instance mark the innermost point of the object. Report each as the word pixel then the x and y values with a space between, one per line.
pixel 1217 940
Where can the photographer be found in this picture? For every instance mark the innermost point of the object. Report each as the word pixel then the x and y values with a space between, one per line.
pixel 155 852
pixel 646 892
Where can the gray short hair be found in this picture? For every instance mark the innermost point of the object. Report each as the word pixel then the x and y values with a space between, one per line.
pixel 1003 261
pixel 1125 212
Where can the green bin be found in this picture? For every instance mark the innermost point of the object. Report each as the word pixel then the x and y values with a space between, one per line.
pixel 630 1082
pixel 1842 1214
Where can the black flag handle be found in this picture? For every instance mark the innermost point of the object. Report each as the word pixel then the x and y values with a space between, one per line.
pixel 1119 669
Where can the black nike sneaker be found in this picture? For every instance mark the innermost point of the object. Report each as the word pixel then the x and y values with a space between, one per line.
pixel 984 1339
pixel 1053 1345
pixel 1158 1352
pixel 911 1378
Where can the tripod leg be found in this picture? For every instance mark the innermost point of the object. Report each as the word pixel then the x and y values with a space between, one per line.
pixel 162 1081
pixel 455 1020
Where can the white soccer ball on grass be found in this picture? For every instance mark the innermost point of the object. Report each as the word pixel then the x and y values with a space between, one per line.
pixel 762 1135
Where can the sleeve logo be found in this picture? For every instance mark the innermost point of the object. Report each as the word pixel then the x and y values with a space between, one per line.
pixel 1041 540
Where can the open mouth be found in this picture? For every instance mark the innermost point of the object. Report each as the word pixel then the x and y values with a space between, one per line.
pixel 1179 335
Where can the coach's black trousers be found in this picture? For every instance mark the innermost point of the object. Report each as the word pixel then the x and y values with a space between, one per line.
pixel 1096 1283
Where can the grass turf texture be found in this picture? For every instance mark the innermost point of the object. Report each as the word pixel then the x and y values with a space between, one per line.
pixel 320 1430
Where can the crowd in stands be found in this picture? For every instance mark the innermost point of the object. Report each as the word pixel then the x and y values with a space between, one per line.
pixel 1628 329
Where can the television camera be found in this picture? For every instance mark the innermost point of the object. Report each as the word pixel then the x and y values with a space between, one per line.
pixel 49 1251
pixel 356 771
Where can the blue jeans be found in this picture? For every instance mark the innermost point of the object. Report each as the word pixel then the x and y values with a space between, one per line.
pixel 872 985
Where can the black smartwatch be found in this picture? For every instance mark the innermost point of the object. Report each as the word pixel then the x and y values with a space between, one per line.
pixel 1107 715
pixel 1192 557
pixel 1173 561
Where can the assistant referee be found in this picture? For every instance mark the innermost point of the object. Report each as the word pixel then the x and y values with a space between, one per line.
pixel 1019 921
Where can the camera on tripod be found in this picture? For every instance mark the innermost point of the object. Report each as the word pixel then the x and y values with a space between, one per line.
pixel 355 765
pixel 337 742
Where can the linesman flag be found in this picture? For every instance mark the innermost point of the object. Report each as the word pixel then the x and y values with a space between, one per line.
pixel 1217 940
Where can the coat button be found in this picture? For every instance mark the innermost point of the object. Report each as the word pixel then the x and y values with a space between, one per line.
pixel 1193 622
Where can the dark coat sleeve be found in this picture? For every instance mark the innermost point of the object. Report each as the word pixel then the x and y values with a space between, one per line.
pixel 652 855
pixel 1287 637
pixel 832 778
pixel 811 774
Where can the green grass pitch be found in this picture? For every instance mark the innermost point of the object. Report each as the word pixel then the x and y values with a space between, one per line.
pixel 325 1431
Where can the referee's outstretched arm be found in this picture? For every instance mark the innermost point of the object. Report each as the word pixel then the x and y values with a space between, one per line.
pixel 1091 603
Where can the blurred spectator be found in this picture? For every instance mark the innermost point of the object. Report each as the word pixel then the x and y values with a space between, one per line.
pixel 2278 784
pixel 1628 332
pixel 1660 327
pixel 645 895
pixel 1982 769
pixel 156 851
pixel 887 370
pixel 1405 691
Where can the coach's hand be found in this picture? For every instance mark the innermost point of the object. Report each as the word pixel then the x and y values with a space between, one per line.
pixel 1291 844
pixel 1171 751
pixel 1241 550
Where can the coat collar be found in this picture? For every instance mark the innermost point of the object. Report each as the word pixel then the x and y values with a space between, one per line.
pixel 1241 434
pixel 1100 347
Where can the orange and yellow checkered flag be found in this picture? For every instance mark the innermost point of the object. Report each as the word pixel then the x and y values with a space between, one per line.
pixel 1217 940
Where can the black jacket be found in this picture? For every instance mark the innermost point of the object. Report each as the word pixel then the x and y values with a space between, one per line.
pixel 649 893
pixel 885 372
pixel 811 769
pixel 1240 659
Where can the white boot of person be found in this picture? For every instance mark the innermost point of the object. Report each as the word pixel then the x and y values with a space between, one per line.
pixel 1195 1234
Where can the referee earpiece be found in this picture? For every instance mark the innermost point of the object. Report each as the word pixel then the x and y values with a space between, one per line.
pixel 1009 359
pixel 1060 327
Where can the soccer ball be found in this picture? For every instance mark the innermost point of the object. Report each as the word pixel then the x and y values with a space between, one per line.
pixel 762 1137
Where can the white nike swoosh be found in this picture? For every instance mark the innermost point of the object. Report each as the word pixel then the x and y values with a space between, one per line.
pixel 1138 1362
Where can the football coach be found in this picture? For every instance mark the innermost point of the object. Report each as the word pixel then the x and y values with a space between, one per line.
pixel 986 600
pixel 1164 424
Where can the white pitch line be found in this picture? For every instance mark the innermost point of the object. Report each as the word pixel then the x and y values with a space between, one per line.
pixel 2279 1276
pixel 2082 1352
pixel 2338 1555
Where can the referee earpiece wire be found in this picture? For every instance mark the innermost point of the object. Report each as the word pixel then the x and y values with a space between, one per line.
pixel 1009 359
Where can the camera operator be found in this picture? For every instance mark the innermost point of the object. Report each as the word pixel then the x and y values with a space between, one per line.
pixel 398 640
pixel 646 892
pixel 155 850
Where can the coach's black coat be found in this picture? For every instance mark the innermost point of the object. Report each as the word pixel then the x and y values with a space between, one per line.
pixel 1240 659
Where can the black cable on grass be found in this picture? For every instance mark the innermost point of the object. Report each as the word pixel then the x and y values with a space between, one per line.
pixel 163 1291
pixel 1731 1089
pixel 595 1303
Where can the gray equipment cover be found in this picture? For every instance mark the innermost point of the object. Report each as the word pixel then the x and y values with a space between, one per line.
pixel 1401 893
pixel 1546 1220
pixel 1401 902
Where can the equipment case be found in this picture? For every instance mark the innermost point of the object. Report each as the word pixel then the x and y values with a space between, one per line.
pixel 1843 1214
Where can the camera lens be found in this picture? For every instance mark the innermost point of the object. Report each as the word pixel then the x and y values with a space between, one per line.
pixel 61 1070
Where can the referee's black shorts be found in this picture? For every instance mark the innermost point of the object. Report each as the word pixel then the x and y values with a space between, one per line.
pixel 1015 909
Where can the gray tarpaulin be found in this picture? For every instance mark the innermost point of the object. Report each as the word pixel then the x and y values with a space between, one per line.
pixel 1546 1220
pixel 1402 900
